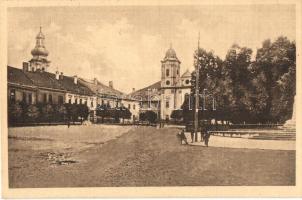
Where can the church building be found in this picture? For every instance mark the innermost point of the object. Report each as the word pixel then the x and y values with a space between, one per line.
pixel 168 94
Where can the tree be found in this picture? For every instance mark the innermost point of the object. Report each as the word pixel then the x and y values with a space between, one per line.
pixel 47 112
pixel 32 113
pixel 177 114
pixel 273 61
pixel 60 112
pixel 125 113
pixel 14 112
pixel 151 116
pixel 103 111
pixel 83 111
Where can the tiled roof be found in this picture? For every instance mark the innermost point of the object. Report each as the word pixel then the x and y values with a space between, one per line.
pixel 152 91
pixel 46 80
pixel 15 75
pixel 43 79
pixel 68 84
pixel 100 88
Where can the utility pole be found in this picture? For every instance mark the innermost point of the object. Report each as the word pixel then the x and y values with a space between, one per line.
pixel 196 92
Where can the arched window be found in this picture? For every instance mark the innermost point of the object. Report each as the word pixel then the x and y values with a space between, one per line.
pixel 167 72
pixel 167 82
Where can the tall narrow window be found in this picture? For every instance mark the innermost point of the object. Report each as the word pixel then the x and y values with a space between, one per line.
pixel 50 98
pixel 24 97
pixel 167 104
pixel 129 106
pixel 44 98
pixel 167 72
pixel 30 98
pixel 133 106
pixel 91 104
pixel 60 99
pixel 80 101
pixel 76 101
pixel 69 101
pixel 12 96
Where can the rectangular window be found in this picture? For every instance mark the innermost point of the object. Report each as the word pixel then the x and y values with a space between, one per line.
pixel 12 96
pixel 167 72
pixel 76 101
pixel 133 106
pixel 24 97
pixel 50 98
pixel 129 106
pixel 91 104
pixel 80 101
pixel 102 102
pixel 167 104
pixel 60 99
pixel 30 98
pixel 69 101
pixel 44 98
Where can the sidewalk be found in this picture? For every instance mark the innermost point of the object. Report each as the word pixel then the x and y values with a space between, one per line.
pixel 218 141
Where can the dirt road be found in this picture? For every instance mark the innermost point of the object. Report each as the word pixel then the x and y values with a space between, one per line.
pixel 143 156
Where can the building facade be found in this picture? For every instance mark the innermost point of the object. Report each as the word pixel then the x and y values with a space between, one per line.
pixel 168 94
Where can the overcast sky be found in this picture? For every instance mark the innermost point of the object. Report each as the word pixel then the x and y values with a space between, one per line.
pixel 126 44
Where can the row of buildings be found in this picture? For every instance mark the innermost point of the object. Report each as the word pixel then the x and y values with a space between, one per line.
pixel 34 84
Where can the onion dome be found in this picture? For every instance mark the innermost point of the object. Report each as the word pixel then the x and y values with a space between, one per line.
pixel 171 55
pixel 40 49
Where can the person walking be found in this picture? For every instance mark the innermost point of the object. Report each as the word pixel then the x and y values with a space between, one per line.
pixel 192 136
pixel 183 137
pixel 206 138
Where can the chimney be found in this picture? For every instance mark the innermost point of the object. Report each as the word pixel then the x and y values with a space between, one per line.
pixel 133 89
pixel 111 84
pixel 61 76
pixel 57 75
pixel 95 81
pixel 75 79
pixel 25 66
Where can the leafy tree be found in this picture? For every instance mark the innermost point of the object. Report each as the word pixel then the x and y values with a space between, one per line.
pixel 273 62
pixel 177 114
pixel 32 113
pixel 60 112
pixel 125 113
pixel 151 116
pixel 83 111
pixel 142 116
pixel 47 112
pixel 103 111
pixel 14 112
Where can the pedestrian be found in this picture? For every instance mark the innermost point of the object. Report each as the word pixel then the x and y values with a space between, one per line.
pixel 182 136
pixel 192 136
pixel 206 138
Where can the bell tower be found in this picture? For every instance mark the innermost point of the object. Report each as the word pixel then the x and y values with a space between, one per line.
pixel 170 81
pixel 170 67
pixel 39 60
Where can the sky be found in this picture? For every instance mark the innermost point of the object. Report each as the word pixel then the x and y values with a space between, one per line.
pixel 125 44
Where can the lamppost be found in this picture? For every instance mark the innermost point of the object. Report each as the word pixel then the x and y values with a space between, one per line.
pixel 198 59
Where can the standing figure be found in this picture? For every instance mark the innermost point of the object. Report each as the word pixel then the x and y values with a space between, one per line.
pixel 192 136
pixel 182 137
pixel 206 138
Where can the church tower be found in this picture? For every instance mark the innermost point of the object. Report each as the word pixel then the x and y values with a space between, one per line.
pixel 39 61
pixel 170 67
pixel 170 81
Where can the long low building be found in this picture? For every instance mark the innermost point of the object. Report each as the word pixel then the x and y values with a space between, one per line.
pixel 33 84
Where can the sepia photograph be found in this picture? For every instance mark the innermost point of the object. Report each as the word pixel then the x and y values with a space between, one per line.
pixel 150 95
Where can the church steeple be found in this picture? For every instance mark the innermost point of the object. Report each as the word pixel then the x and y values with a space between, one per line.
pixel 39 53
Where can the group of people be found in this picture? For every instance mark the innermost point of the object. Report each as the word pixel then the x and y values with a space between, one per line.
pixel 204 135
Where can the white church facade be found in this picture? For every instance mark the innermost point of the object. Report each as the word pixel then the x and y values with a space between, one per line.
pixel 168 93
